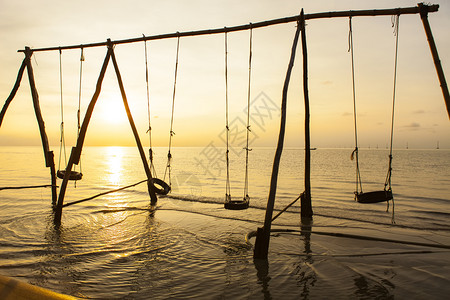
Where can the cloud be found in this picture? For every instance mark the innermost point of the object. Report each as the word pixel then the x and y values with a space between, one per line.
pixel 420 111
pixel 412 126
pixel 327 82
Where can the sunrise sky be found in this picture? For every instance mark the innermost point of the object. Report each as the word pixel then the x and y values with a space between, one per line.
pixel 421 120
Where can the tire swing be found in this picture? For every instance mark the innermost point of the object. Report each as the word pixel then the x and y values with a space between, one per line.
pixel 235 204
pixel 159 186
pixel 386 193
pixel 61 173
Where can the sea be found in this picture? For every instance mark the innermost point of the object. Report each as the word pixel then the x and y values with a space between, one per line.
pixel 187 246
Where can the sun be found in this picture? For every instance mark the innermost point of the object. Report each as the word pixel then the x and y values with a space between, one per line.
pixel 112 111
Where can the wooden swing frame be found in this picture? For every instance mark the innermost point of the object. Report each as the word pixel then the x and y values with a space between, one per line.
pixel 262 243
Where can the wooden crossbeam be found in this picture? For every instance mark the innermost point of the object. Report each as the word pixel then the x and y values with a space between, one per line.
pixel 313 16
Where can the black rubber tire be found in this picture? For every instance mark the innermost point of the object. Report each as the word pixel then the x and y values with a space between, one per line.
pixel 159 186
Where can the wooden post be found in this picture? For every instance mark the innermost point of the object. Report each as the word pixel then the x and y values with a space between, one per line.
pixel 14 90
pixel 437 63
pixel 263 234
pixel 37 109
pixel 151 191
pixel 62 191
pixel 49 158
pixel 76 151
pixel 90 108
pixel 306 207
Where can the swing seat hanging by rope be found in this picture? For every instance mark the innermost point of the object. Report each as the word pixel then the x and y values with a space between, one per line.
pixel 386 194
pixel 74 175
pixel 374 197
pixel 237 204
pixel 159 186
pixel 244 203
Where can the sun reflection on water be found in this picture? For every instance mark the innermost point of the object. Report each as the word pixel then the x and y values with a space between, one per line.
pixel 115 175
pixel 114 165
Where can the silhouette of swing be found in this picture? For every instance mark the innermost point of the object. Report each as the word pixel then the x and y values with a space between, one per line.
pixel 386 193
pixel 156 184
pixel 237 204
pixel 74 175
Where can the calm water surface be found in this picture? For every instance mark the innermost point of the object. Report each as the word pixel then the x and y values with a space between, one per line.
pixel 189 246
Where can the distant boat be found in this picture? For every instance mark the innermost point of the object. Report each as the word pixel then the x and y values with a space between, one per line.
pixel 437 146
pixel 313 148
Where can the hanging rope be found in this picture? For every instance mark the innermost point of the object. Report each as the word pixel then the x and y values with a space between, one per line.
pixel 387 183
pixel 79 100
pixel 149 130
pixel 358 187
pixel 62 143
pixel 395 24
pixel 247 149
pixel 172 133
pixel 227 128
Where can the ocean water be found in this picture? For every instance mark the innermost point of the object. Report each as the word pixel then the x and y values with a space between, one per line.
pixel 188 246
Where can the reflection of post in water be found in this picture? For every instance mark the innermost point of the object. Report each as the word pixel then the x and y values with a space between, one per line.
pixel 306 275
pixel 305 232
pixel 55 261
pixel 237 267
pixel 148 259
pixel 262 272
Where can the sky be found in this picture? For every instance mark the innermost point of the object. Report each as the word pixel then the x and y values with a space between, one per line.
pixel 421 119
